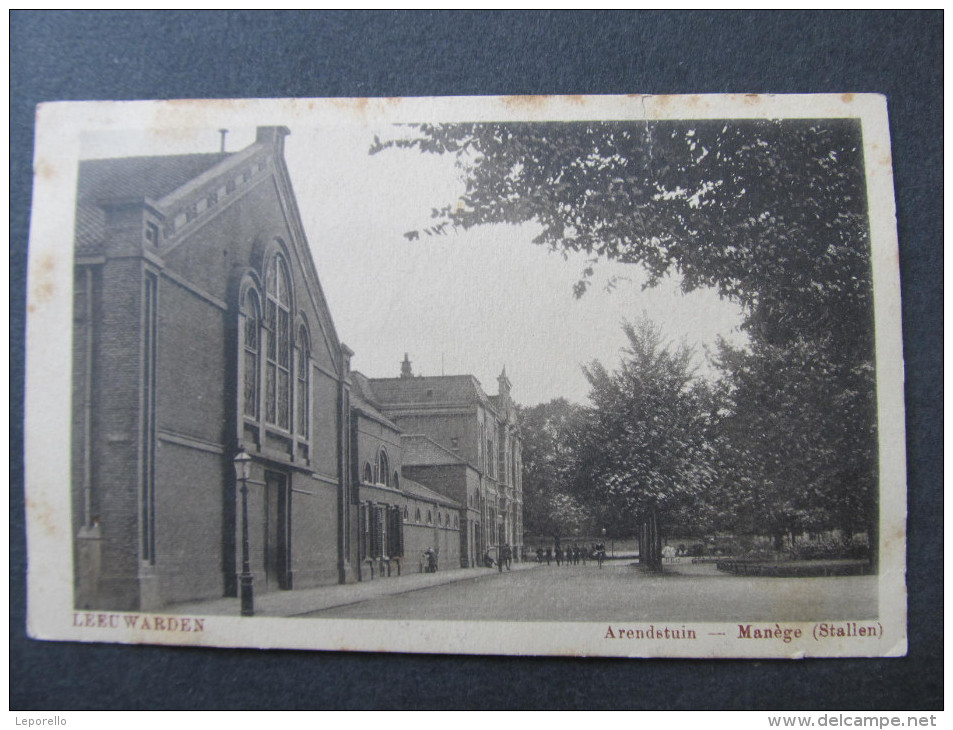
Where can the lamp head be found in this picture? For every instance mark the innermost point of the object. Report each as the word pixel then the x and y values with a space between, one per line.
pixel 242 463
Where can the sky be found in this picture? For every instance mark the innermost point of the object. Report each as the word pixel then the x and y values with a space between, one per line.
pixel 469 302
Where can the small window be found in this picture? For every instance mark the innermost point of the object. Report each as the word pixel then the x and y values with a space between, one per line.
pixel 440 519
pixel 455 443
pixel 456 522
pixel 406 514
pixel 417 516
pixel 429 517
pixel 368 474
pixel 152 234
pixel 396 480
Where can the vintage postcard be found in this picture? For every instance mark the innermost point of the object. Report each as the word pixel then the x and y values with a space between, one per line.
pixel 614 376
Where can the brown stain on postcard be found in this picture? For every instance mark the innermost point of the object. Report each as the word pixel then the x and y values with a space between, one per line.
pixel 42 512
pixel 525 101
pixel 44 286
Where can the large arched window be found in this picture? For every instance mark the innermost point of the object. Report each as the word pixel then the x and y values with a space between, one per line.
pixel 302 386
pixel 278 351
pixel 383 470
pixel 251 346
pixel 368 474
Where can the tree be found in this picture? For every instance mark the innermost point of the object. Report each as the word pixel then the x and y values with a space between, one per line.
pixel 791 464
pixel 771 214
pixel 549 508
pixel 646 447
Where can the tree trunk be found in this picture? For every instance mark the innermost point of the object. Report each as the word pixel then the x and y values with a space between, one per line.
pixel 650 541
pixel 658 539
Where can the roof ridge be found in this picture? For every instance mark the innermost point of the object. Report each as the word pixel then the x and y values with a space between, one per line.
pixel 405 482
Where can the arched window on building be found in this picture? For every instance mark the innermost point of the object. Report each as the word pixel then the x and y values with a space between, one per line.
pixel 406 514
pixel 251 349
pixel 278 351
pixel 429 517
pixel 368 473
pixel 417 515
pixel 439 519
pixel 383 470
pixel 396 480
pixel 303 383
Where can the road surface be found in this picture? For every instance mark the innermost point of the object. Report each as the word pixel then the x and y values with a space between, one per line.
pixel 620 591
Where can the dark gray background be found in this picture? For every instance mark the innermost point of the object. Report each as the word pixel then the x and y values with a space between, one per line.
pixel 153 55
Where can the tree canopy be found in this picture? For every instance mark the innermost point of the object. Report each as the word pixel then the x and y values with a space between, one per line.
pixel 772 214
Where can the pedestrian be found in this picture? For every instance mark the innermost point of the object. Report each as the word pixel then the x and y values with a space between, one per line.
pixel 507 556
pixel 549 556
pixel 559 555
pixel 539 555
pixel 584 554
pixel 575 555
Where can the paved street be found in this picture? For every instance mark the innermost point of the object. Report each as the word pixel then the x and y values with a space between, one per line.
pixel 622 592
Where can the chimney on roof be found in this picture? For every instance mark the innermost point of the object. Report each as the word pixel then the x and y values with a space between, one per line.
pixel 405 371
pixel 274 136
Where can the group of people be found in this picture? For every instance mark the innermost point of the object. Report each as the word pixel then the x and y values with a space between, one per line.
pixel 572 555
pixel 505 559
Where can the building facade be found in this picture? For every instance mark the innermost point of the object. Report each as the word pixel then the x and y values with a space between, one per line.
pixel 479 462
pixel 201 333
pixel 201 330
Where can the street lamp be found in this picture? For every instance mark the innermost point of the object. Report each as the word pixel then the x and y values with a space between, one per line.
pixel 242 463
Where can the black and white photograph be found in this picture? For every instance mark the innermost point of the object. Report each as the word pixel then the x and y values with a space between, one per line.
pixel 597 376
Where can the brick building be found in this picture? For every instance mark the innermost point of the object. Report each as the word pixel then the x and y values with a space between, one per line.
pixel 398 519
pixel 463 443
pixel 200 331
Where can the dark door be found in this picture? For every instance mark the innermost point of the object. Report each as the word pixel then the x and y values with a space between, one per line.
pixel 277 532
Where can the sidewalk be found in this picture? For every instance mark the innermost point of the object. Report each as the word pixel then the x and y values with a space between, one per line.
pixel 309 600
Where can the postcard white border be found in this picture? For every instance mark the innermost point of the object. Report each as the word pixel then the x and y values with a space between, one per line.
pixel 48 389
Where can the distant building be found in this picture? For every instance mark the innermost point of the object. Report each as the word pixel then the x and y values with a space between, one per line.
pixel 399 519
pixel 465 444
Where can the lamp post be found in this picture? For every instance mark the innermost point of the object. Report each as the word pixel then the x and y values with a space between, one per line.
pixel 242 468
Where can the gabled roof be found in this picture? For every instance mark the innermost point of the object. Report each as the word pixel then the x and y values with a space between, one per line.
pixel 362 400
pixel 437 389
pixel 420 450
pixel 134 178
pixel 413 489
pixel 128 179
pixel 169 181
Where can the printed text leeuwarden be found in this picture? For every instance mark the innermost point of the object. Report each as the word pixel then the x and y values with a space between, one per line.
pixel 137 622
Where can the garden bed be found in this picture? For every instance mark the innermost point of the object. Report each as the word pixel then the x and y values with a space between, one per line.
pixel 795 568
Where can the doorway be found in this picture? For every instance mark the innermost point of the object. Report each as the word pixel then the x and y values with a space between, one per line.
pixel 277 532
